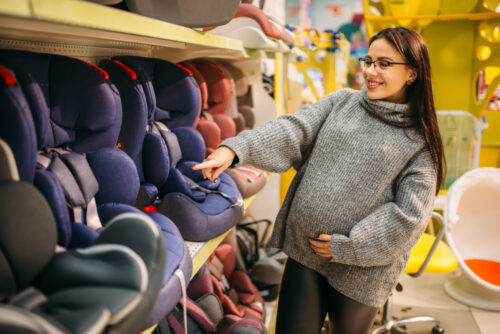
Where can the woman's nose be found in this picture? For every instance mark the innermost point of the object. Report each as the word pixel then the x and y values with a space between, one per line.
pixel 371 69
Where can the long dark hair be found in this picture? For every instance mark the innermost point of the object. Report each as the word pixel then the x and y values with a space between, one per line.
pixel 411 45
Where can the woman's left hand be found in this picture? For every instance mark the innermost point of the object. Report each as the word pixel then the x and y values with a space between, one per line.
pixel 321 245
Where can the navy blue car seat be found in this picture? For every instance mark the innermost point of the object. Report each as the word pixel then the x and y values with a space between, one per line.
pixel 156 91
pixel 81 117
pixel 113 284
pixel 81 113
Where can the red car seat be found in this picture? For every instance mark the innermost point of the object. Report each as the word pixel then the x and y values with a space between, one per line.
pixel 219 93
pixel 239 297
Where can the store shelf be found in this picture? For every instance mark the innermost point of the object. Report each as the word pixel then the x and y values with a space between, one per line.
pixel 200 251
pixel 83 23
pixel 88 30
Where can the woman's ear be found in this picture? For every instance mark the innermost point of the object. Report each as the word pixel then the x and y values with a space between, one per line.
pixel 413 75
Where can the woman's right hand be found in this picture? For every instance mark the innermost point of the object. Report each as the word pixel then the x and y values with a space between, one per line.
pixel 217 162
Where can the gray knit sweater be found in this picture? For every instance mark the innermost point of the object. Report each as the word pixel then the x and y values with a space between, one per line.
pixel 364 176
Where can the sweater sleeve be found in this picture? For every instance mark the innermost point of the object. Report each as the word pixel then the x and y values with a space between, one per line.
pixel 392 229
pixel 284 141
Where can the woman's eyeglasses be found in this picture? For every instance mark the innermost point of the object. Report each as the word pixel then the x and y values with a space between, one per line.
pixel 380 65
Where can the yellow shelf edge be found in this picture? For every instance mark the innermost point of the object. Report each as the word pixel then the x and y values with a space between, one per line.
pixel 206 251
pixel 90 15
pixel 473 16
pixel 149 330
pixel 20 8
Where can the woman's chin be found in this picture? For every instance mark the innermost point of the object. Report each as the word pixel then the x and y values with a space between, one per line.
pixel 373 95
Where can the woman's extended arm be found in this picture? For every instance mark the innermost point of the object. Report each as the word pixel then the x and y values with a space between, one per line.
pixel 276 145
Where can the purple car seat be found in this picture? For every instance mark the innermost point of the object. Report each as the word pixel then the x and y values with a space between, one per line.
pixel 202 209
pixel 104 286
pixel 84 116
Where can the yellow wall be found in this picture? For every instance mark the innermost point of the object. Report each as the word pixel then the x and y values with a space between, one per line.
pixel 450 46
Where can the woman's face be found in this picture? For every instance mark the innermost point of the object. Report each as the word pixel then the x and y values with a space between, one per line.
pixel 386 83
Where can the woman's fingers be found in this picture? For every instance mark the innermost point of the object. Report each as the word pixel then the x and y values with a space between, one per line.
pixel 321 246
pixel 207 163
pixel 323 254
pixel 216 163
pixel 218 172
pixel 324 237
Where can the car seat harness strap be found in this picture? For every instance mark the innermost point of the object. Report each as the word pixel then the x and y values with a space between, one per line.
pixel 77 180
pixel 175 156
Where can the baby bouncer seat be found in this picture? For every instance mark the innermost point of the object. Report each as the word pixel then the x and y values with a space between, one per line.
pixel 473 215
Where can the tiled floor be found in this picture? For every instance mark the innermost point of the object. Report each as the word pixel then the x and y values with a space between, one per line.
pixel 425 295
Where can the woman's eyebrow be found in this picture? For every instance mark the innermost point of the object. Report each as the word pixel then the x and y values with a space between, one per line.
pixel 379 58
pixel 384 58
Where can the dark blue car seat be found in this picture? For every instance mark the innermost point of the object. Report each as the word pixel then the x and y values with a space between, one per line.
pixel 159 93
pixel 81 113
pixel 112 285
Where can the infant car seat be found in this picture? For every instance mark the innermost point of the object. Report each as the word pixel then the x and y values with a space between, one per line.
pixel 200 208
pixel 85 120
pixel 109 286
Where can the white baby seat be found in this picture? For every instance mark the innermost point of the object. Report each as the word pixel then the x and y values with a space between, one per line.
pixel 472 212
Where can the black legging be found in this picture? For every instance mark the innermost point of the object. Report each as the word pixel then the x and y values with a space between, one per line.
pixel 305 299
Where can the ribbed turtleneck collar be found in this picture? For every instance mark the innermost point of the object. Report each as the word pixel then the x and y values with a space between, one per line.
pixel 397 114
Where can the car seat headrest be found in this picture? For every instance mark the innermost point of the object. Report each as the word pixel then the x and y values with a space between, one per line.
pixel 16 125
pixel 84 114
pixel 232 108
pixel 240 80
pixel 218 86
pixel 22 253
pixel 134 108
pixel 200 80
pixel 171 90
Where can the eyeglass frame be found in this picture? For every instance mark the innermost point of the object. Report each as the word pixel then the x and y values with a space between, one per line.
pixel 362 60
